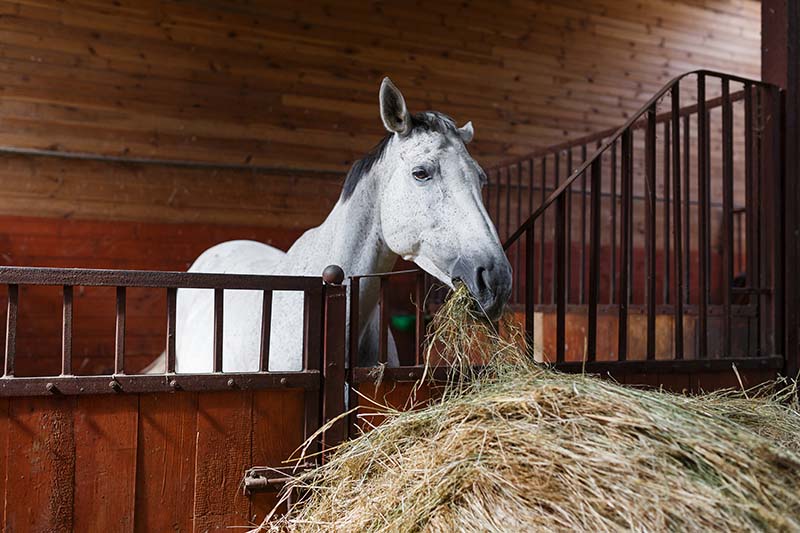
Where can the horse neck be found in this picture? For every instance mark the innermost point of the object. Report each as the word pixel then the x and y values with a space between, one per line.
pixel 351 234
pixel 351 237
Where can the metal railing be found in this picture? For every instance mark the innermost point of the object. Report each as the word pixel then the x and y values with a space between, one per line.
pixel 322 375
pixel 608 214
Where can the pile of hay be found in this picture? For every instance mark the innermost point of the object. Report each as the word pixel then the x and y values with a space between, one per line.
pixel 517 447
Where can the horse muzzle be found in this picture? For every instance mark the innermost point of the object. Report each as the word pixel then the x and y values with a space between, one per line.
pixel 488 280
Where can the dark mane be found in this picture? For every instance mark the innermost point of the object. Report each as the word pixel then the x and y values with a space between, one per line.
pixel 425 121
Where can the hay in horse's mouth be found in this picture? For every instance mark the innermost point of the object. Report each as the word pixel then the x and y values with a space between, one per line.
pixel 519 447
pixel 461 298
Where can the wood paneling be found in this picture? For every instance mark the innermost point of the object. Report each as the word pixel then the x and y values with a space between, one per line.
pixel 130 462
pixel 166 460
pixel 294 87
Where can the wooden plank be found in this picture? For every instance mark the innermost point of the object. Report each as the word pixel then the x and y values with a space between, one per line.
pixel 211 97
pixel 277 434
pixel 105 462
pixel 224 443
pixel 40 482
pixel 395 395
pixel 165 462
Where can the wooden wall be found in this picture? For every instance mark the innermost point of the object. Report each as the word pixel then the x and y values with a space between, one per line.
pixel 294 86
pixel 142 462
pixel 35 241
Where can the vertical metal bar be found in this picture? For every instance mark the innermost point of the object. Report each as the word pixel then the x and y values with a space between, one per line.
pixel 313 359
pixel 383 333
pixel 555 231
pixel 529 252
pixel 219 310
pixel 568 193
pixel 530 186
pixel 542 223
pixel 650 229
pixel 488 200
pixel 529 294
pixel 497 203
pixel 727 214
pixel 778 226
pixel 625 244
pixel 66 331
pixel 419 323
pixel 751 201
pixel 582 281
pixel 738 227
pixel 119 338
pixel 676 206
pixel 559 288
pixel 355 328
pixel 666 154
pixel 266 327
pixel 687 217
pixel 702 225
pixel 333 369
pixel 507 172
pixel 631 271
pixel 612 296
pixel 762 232
pixel 518 246
pixel 594 256
pixel 11 330
pixel 172 296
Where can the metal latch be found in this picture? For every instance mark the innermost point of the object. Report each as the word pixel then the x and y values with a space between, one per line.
pixel 272 479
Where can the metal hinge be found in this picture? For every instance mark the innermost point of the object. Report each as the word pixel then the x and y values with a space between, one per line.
pixel 271 479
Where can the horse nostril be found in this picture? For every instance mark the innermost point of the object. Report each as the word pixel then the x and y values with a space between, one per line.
pixel 481 278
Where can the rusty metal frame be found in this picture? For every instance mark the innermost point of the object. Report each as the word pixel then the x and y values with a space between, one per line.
pixel 317 293
pixel 763 291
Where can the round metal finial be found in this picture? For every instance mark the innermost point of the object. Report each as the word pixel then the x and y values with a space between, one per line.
pixel 333 275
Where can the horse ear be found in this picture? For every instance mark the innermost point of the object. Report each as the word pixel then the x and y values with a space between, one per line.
pixel 394 113
pixel 466 132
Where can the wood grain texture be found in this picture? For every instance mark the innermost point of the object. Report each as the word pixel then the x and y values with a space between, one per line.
pixel 294 87
pixel 165 462
pixel 224 447
pixel 4 432
pixel 105 463
pixel 150 462
pixel 277 434
pixel 40 481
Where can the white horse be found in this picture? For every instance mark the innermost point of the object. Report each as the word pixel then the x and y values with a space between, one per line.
pixel 417 195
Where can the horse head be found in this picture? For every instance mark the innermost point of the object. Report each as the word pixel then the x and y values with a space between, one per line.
pixel 431 209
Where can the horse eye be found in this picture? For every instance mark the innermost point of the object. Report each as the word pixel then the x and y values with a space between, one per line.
pixel 421 174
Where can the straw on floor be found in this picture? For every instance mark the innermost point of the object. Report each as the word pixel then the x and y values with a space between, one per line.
pixel 518 447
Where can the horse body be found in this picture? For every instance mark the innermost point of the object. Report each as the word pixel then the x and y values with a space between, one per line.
pixel 416 195
pixel 356 251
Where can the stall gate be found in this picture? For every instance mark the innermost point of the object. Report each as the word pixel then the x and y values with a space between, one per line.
pixel 161 452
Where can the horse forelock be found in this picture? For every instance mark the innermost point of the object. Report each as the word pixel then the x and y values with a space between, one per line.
pixel 425 121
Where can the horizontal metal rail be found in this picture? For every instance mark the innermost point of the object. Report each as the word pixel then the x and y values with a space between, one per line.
pixel 148 383
pixel 153 279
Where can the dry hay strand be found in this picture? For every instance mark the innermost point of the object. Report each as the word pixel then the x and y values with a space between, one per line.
pixel 519 447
